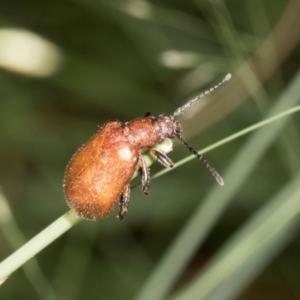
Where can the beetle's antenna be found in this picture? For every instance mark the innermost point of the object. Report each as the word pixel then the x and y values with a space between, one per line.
pixel 181 109
pixel 202 159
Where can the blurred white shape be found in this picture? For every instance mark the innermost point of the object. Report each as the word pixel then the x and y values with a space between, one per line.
pixel 137 8
pixel 5 214
pixel 2 280
pixel 27 53
pixel 179 59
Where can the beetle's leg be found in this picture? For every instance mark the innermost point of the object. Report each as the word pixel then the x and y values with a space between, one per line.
pixel 162 158
pixel 124 202
pixel 145 174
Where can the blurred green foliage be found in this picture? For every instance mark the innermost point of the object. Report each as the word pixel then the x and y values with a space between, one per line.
pixel 121 59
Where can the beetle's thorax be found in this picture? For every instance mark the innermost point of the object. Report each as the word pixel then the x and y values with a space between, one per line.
pixel 147 132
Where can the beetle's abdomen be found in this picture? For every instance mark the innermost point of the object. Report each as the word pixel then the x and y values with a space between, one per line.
pixel 97 174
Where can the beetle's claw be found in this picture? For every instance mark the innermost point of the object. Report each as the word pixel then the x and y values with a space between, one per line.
pixel 122 213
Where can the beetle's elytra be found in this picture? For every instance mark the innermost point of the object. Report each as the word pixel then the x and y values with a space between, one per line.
pixel 98 174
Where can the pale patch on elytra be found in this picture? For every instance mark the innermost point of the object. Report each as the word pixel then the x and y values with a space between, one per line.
pixel 125 153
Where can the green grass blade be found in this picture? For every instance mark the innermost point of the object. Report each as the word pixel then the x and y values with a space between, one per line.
pixel 250 250
pixel 208 212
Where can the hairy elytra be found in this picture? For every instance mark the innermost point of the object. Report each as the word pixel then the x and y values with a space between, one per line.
pixel 99 173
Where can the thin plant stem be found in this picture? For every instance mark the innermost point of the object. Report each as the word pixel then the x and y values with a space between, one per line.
pixel 231 138
pixel 38 243
pixel 69 219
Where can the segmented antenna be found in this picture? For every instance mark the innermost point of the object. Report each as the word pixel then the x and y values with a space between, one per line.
pixel 181 109
pixel 202 159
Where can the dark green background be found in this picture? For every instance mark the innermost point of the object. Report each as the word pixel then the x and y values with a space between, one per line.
pixel 111 68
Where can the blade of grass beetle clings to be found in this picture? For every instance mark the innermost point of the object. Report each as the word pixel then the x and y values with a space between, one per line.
pixel 69 219
pixel 232 138
pixel 210 208
pixel 16 238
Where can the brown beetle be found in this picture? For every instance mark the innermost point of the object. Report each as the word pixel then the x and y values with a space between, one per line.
pixel 99 172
